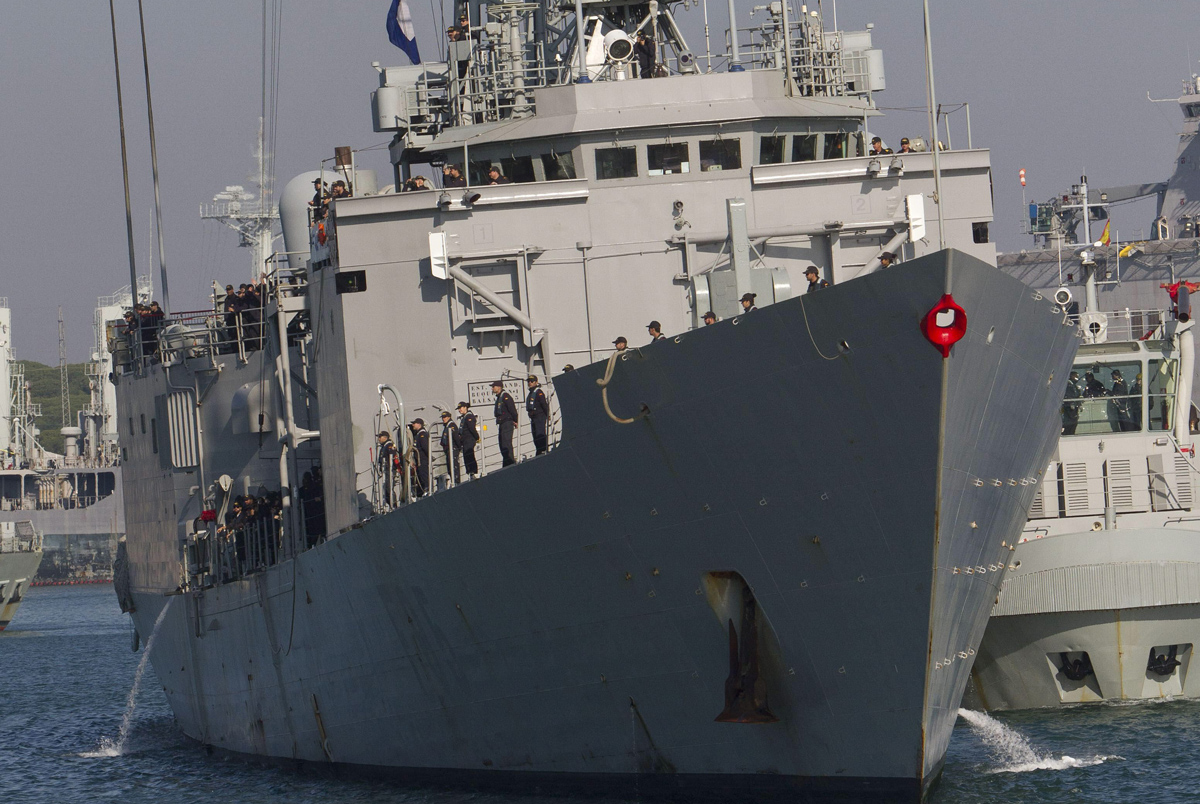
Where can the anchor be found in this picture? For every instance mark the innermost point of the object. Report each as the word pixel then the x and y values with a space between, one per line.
pixel 745 689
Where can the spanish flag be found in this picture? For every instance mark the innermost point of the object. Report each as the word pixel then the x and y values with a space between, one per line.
pixel 1104 237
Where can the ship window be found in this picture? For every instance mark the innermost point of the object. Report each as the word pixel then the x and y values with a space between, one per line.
pixel 131 425
pixel 154 435
pixel 143 415
pixel 616 163
pixel 860 143
pixel 1191 110
pixel 804 147
pixel 1104 398
pixel 836 146
pixel 558 167
pixel 517 169
pixel 979 231
pixel 770 150
pixel 667 159
pixel 720 154
pixel 1161 386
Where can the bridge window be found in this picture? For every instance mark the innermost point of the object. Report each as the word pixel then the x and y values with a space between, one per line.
pixel 616 163
pixel 720 155
pixel 804 147
pixel 557 167
pixel 1191 110
pixel 1105 398
pixel 1161 385
pixel 837 146
pixel 770 149
pixel 667 159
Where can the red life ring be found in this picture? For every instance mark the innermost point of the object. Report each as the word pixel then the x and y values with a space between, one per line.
pixel 945 324
pixel 321 236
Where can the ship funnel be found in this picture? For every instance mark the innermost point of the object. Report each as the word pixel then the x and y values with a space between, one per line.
pixel 294 214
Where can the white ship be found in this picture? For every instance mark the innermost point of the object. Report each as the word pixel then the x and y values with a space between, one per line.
pixel 73 499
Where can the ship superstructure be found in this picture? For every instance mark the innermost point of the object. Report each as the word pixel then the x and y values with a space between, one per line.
pixel 1103 603
pixel 1132 267
pixel 741 566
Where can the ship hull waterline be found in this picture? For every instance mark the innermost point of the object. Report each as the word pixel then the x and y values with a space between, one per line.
pixel 566 619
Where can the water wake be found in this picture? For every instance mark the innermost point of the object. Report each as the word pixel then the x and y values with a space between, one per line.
pixel 1013 751
pixel 115 748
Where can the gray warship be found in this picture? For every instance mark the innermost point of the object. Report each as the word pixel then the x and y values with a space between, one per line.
pixel 74 499
pixel 20 554
pixel 1104 601
pixel 757 557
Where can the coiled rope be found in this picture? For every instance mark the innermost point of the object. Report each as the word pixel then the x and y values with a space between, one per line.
pixel 603 383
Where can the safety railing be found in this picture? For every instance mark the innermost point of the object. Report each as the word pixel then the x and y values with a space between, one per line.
pixel 447 467
pixel 1123 325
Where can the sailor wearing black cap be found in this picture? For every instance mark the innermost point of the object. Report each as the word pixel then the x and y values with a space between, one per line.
pixel 387 460
pixel 621 343
pixel 655 330
pixel 538 408
pixel 710 318
pixel 420 455
pixel 451 443
pixel 505 411
pixel 814 279
pixel 887 259
pixel 468 432
pixel 748 302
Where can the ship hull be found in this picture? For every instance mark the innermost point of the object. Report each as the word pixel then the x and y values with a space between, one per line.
pixel 1115 596
pixel 17 571
pixel 565 620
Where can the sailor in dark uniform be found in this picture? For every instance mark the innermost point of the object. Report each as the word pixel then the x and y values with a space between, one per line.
pixel 1120 403
pixel 1071 404
pixel 538 409
pixel 468 432
pixel 748 302
pixel 814 279
pixel 646 54
pixel 655 330
pixel 420 455
pixel 621 344
pixel 710 318
pixel 451 443
pixel 386 459
pixel 886 259
pixel 1135 402
pixel 505 411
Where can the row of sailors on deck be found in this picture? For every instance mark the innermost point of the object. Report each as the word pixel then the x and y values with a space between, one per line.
pixel 325 194
pixel 143 321
pixel 459 439
pixel 879 149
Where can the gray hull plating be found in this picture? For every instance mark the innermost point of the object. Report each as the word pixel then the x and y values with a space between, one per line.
pixel 552 620
pixel 16 573
pixel 1113 594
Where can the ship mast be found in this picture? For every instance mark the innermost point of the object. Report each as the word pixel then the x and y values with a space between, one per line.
pixel 253 218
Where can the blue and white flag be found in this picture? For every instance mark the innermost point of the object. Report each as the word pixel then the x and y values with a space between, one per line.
pixel 400 30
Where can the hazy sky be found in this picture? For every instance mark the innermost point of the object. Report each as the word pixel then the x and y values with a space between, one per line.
pixel 1055 87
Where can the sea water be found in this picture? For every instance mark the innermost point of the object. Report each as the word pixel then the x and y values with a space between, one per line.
pixel 68 673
